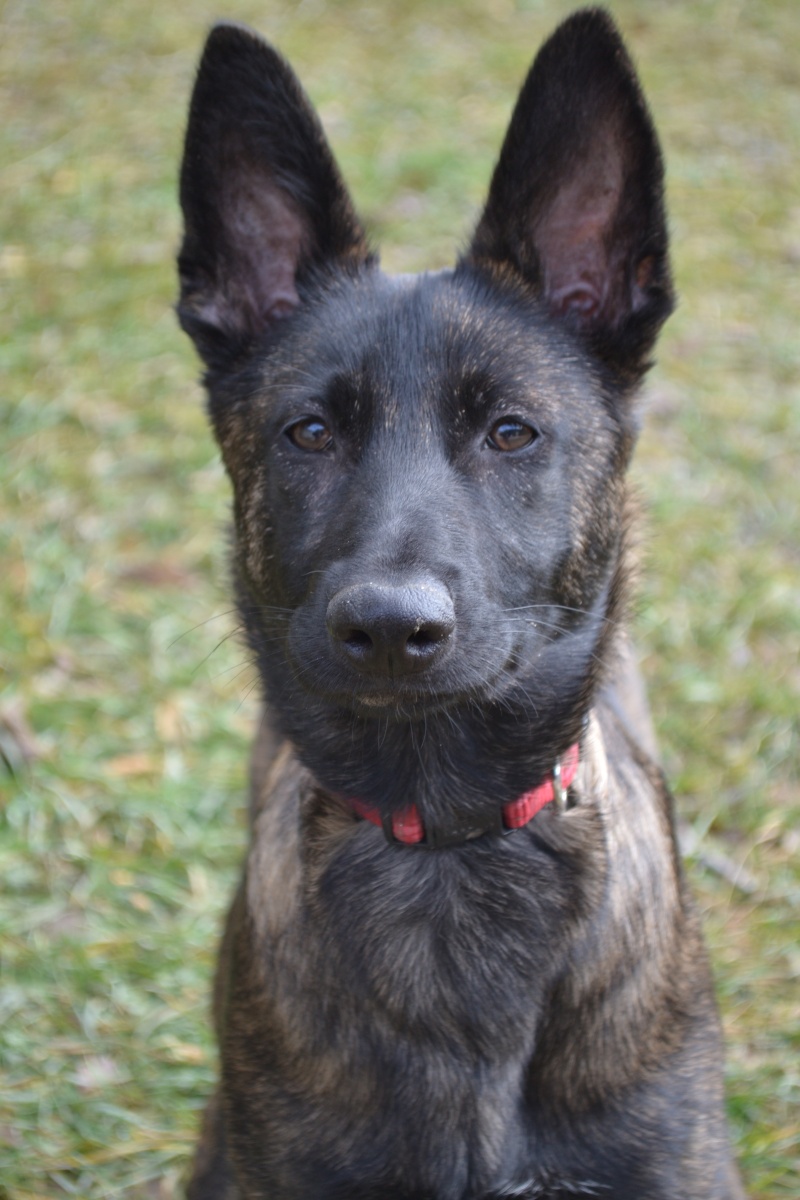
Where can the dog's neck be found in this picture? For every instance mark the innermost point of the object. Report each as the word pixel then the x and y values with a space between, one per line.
pixel 407 827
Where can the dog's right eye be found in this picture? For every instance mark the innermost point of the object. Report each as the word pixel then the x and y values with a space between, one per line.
pixel 510 434
pixel 310 434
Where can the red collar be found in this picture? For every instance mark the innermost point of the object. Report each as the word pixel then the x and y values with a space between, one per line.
pixel 406 826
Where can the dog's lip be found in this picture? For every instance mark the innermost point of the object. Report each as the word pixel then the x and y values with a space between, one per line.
pixel 399 696
pixel 378 701
pixel 403 701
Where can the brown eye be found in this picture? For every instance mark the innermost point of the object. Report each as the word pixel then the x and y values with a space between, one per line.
pixel 510 434
pixel 310 434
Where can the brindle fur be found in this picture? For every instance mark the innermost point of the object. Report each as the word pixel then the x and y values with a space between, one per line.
pixel 526 1016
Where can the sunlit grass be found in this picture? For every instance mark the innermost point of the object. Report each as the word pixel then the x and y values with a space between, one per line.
pixel 126 708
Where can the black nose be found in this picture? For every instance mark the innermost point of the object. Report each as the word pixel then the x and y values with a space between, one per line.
pixel 387 629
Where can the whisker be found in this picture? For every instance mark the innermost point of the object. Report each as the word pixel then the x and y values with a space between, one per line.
pixel 248 693
pixel 199 625
pixel 221 642
pixel 237 667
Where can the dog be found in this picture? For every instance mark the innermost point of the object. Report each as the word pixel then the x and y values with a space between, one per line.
pixel 462 963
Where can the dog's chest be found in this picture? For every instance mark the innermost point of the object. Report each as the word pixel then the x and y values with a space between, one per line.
pixel 401 997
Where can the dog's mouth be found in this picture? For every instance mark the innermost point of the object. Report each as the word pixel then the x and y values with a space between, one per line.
pixel 402 700
pixel 396 701
pixel 379 701
pixel 404 706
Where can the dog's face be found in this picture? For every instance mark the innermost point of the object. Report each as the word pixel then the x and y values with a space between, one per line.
pixel 428 471
pixel 416 503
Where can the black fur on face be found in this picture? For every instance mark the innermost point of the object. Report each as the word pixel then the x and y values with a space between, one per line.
pixel 458 438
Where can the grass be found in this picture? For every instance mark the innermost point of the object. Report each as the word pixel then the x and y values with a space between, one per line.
pixel 125 713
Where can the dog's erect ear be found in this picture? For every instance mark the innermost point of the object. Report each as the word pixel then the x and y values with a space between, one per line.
pixel 262 198
pixel 576 200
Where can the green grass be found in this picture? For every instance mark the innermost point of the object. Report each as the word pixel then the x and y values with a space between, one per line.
pixel 125 713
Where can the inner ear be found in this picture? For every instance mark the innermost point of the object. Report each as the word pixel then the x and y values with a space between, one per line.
pixel 268 241
pixel 263 202
pixel 582 265
pixel 575 205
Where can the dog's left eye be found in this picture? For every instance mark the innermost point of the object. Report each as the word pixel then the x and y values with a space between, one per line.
pixel 510 434
pixel 310 434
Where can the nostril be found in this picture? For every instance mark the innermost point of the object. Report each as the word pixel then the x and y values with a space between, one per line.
pixel 428 638
pixel 358 639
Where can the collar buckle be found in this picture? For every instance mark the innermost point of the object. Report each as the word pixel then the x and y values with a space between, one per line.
pixel 560 792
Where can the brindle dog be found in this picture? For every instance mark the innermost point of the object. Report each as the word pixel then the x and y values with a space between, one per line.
pixel 462 962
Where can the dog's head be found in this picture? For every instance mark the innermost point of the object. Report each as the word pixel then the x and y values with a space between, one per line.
pixel 428 471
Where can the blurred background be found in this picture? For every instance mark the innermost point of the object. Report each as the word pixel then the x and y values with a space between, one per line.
pixel 126 706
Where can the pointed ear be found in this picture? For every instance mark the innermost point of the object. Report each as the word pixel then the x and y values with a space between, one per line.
pixel 576 201
pixel 262 198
